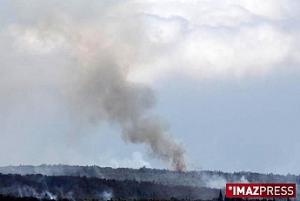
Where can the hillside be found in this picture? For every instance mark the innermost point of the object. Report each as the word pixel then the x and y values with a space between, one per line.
pixel 76 188
pixel 211 179
pixel 103 183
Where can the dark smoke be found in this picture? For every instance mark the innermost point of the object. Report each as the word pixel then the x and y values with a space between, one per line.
pixel 89 65
pixel 104 93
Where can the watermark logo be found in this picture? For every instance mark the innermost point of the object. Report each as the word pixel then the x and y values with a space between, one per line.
pixel 261 190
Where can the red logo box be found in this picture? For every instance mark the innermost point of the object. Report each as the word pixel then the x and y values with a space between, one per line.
pixel 261 190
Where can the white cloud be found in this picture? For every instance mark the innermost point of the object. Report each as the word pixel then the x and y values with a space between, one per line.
pixel 209 39
pixel 202 39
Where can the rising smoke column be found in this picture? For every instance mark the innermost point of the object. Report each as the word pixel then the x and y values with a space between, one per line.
pixel 104 93
pixel 93 80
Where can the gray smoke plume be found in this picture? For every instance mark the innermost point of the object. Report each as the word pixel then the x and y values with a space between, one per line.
pixel 104 93
pixel 87 66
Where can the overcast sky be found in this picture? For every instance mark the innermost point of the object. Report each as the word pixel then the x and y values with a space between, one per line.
pixel 225 76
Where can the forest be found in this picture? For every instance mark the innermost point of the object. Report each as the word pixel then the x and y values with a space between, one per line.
pixel 104 183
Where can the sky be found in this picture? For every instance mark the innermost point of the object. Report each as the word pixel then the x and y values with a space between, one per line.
pixel 221 79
